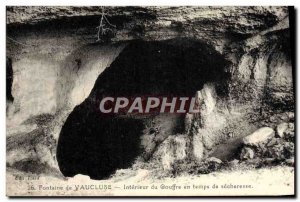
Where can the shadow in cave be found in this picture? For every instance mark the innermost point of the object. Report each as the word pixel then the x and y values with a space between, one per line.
pixel 9 80
pixel 95 144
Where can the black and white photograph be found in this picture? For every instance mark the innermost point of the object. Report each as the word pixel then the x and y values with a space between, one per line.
pixel 150 101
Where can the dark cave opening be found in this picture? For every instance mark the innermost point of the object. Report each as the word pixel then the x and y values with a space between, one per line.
pixel 96 144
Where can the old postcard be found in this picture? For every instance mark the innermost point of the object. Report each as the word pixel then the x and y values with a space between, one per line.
pixel 150 101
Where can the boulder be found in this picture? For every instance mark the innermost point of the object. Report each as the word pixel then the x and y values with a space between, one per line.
pixel 290 162
pixel 234 162
pixel 291 116
pixel 280 129
pixel 213 163
pixel 247 153
pixel 262 135
pixel 214 160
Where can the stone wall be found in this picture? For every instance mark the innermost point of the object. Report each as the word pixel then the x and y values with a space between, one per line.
pixel 56 58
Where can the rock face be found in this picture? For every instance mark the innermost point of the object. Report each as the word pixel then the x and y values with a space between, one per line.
pixel 97 144
pixel 232 56
pixel 262 135
pixel 247 153
pixel 151 22
pixel 172 150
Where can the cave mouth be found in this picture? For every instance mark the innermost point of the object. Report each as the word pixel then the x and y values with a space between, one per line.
pixel 95 144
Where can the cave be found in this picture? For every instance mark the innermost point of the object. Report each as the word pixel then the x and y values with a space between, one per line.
pixel 96 144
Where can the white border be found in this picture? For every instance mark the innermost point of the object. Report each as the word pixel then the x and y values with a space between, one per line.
pixel 119 3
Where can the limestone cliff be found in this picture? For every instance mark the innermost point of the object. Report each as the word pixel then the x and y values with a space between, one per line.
pixel 57 54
